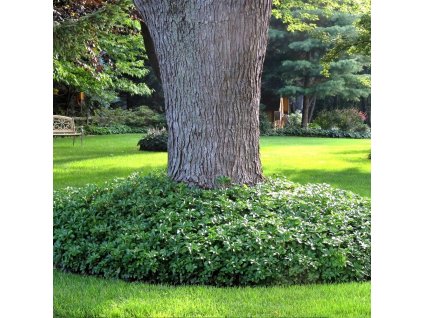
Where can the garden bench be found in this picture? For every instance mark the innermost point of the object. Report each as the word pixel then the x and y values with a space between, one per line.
pixel 65 126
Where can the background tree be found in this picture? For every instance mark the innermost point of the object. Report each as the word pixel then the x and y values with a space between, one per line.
pixel 97 49
pixel 353 43
pixel 293 65
pixel 302 15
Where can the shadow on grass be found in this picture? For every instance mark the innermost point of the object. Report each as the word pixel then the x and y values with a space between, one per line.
pixel 351 152
pixel 359 156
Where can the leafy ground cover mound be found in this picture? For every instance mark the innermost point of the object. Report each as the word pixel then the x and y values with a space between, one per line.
pixel 155 230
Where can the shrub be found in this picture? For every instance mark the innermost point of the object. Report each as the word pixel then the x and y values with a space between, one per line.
pixel 362 128
pixel 144 116
pixel 154 230
pixel 155 140
pixel 314 126
pixel 265 123
pixel 294 120
pixel 326 119
pixel 109 130
pixel 140 117
pixel 316 132
pixel 344 119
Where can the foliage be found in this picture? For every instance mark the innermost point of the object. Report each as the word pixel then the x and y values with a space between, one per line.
pixel 97 49
pixel 350 44
pixel 314 126
pixel 155 140
pixel 348 119
pixel 155 230
pixel 112 129
pixel 302 15
pixel 144 116
pixel 305 15
pixel 141 116
pixel 294 120
pixel 302 67
pixel 265 123
pixel 362 128
pixel 318 132
pixel 293 67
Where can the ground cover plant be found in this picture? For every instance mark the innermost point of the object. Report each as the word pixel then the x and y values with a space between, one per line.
pixel 149 228
pixel 343 163
pixel 78 296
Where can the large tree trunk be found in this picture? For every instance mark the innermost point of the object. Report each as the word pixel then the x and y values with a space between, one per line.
pixel 210 55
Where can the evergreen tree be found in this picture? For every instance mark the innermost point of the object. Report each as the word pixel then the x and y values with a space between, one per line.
pixel 300 71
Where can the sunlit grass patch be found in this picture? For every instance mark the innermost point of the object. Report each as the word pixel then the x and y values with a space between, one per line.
pixel 342 163
pixel 80 296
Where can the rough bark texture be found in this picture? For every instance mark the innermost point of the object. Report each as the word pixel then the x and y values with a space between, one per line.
pixel 210 54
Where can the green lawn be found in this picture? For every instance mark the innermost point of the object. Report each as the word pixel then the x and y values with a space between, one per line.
pixel 78 296
pixel 340 162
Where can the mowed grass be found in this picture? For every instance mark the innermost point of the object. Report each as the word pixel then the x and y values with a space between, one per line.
pixel 342 163
pixel 79 296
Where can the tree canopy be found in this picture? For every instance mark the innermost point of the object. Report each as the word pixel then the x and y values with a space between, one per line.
pixel 303 15
pixel 293 64
pixel 98 48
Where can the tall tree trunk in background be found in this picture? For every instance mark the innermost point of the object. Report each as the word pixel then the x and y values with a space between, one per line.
pixel 298 104
pixel 311 108
pixel 369 110
pixel 306 107
pixel 306 103
pixel 210 55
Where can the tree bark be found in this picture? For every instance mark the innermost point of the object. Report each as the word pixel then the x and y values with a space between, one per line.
pixel 306 103
pixel 311 108
pixel 299 102
pixel 306 107
pixel 210 55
